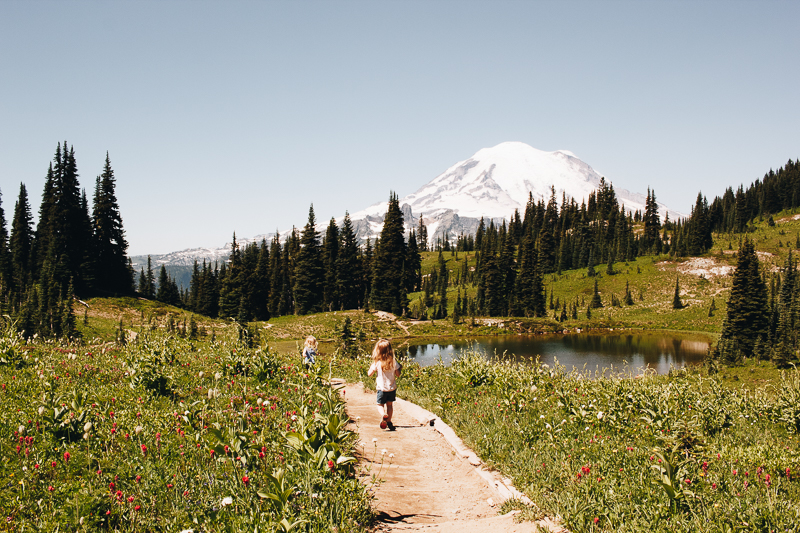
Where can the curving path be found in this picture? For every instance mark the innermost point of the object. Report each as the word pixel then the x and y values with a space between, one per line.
pixel 432 482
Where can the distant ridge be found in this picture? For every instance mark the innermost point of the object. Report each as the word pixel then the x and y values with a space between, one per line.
pixel 491 184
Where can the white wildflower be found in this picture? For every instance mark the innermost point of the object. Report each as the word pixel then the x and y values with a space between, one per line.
pixel 218 375
pixel 227 500
pixel 87 426
pixel 201 374
pixel 374 439
pixel 137 429
pixel 600 415
pixel 383 451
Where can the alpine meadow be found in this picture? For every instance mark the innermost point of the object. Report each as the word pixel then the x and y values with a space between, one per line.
pixel 134 402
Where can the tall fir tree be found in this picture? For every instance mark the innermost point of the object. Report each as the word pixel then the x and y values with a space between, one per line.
pixel 21 244
pixel 422 235
pixel 348 267
pixel 387 271
pixel 6 276
pixel 747 304
pixel 309 272
pixel 330 255
pixel 111 273
pixel 230 292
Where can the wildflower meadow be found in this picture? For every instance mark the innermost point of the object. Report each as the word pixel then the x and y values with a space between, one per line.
pixel 676 452
pixel 163 434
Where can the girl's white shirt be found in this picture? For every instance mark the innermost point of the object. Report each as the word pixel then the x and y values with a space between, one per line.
pixel 383 381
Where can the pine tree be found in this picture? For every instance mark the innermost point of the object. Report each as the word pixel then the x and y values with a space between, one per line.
pixel 390 255
pixel 330 255
pixel 348 267
pixel 309 272
pixel 747 304
pixel 6 276
pixel 21 243
pixel 628 296
pixel 596 302
pixel 230 292
pixel 70 229
pixel 148 290
pixel 261 281
pixel 783 350
pixel 443 278
pixel 413 265
pixel 422 236
pixel 109 249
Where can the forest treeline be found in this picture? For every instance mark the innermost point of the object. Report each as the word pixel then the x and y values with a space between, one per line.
pixel 80 251
pixel 72 251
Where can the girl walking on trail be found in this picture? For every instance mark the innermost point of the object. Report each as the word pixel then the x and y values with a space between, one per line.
pixel 388 369
pixel 310 351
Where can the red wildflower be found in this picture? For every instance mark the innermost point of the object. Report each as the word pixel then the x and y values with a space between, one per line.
pixel 245 480
pixel 330 465
pixel 144 449
pixel 66 456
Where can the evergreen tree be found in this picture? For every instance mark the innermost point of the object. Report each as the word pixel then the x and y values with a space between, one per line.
pixel 309 272
pixel 783 350
pixel 330 255
pixel 111 274
pixel 348 267
pixel 230 292
pixel 6 276
pixel 261 282
pixel 69 230
pixel 21 243
pixel 167 288
pixel 422 235
pixel 747 304
pixel 413 265
pixel 149 288
pixel 596 302
pixel 443 278
pixel 390 255
pixel 628 296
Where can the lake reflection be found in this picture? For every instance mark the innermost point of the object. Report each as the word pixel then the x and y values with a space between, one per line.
pixel 594 351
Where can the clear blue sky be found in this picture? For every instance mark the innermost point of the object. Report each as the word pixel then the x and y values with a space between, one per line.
pixel 236 116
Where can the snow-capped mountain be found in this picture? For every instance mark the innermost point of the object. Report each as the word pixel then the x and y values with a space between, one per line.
pixel 490 184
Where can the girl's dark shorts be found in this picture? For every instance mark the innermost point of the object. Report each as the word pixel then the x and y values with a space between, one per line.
pixel 386 396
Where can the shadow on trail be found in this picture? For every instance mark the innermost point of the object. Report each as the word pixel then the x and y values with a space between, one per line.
pixel 388 518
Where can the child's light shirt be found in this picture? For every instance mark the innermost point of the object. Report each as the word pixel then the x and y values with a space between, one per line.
pixel 385 381
pixel 309 355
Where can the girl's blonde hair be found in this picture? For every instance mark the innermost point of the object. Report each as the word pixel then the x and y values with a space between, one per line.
pixel 311 342
pixel 383 352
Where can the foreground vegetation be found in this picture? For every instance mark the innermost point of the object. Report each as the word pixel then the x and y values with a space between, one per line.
pixel 680 452
pixel 165 434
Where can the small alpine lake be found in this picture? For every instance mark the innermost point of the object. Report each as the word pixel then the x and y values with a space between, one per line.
pixel 622 351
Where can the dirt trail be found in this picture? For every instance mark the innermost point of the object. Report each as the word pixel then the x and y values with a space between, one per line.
pixel 392 318
pixel 430 485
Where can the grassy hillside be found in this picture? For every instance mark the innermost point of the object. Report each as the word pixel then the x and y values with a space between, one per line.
pixel 652 279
